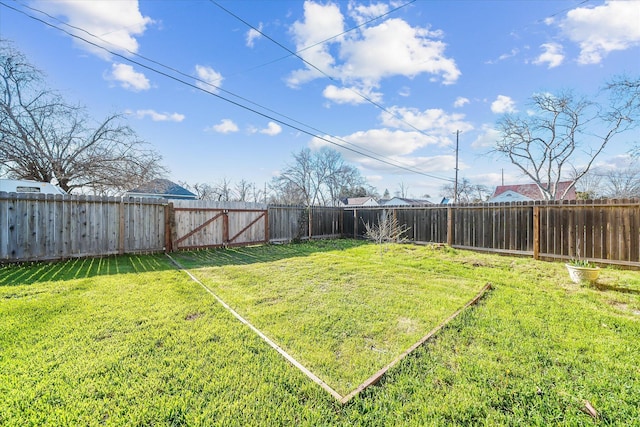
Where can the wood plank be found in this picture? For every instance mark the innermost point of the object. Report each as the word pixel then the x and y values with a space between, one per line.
pixel 450 237
pixel 536 232
pixel 121 227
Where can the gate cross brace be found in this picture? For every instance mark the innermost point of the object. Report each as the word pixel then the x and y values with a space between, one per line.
pixel 200 227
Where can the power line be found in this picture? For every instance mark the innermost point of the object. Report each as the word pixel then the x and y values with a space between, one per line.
pixel 238 104
pixel 389 12
pixel 291 52
pixel 218 88
pixel 388 159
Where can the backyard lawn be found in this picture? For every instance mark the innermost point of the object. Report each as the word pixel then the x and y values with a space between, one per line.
pixel 131 340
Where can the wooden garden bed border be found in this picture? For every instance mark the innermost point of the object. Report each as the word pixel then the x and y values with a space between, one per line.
pixel 375 378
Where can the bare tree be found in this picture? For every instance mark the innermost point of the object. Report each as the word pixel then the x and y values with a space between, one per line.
pixel 402 191
pixel 243 190
pixel 622 183
pixel 342 180
pixel 467 192
pixel 222 190
pixel 203 191
pixel 543 144
pixel 316 178
pixel 589 186
pixel 43 138
pixel 258 195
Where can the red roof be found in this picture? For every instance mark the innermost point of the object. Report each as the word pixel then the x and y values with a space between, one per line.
pixel 531 191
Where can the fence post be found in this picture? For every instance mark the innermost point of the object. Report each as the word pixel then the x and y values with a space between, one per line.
pixel 449 226
pixel 536 232
pixel 169 226
pixel 266 225
pixel 355 223
pixel 225 227
pixel 121 228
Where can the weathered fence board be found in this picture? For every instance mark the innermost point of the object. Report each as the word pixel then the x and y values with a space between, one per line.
pixel 289 223
pixel 207 224
pixel 602 231
pixel 45 227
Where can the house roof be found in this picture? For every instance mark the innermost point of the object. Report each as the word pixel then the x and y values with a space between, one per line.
pixel 164 188
pixel 359 201
pixel 510 196
pixel 405 201
pixel 531 191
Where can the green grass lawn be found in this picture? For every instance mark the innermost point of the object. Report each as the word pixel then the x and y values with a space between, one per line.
pixel 343 314
pixel 131 341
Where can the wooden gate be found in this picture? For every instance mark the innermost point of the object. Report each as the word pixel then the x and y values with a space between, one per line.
pixel 198 227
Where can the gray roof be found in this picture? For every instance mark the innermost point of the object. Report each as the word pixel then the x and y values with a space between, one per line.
pixel 162 188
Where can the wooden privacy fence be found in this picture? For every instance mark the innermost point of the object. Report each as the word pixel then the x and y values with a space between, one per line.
pixel 289 223
pixel 604 231
pixel 46 226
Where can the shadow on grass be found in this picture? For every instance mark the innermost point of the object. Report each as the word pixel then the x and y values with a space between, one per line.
pixel 260 254
pixel 79 268
pixel 615 288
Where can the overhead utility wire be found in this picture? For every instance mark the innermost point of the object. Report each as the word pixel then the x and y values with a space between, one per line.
pixel 389 12
pixel 218 87
pixel 327 39
pixel 366 98
pixel 379 156
pixel 296 53
pixel 194 86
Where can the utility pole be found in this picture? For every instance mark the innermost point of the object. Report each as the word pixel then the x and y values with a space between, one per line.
pixel 455 185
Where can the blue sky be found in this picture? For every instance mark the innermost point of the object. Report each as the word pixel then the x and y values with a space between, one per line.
pixel 439 66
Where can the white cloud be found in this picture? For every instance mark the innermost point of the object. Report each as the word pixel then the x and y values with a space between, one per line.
pixel 395 48
pixel 225 126
pixel 599 30
pixel 487 138
pixel 504 56
pixel 253 34
pixel 400 143
pixel 385 142
pixel 321 22
pixel 397 146
pixel 366 56
pixel 374 178
pixel 434 122
pixel 362 14
pixel 158 117
pixel 115 24
pixel 553 55
pixel 128 78
pixel 208 78
pixel 272 129
pixel 503 104
pixel 461 102
pixel 440 164
pixel 351 95
pixel 615 163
